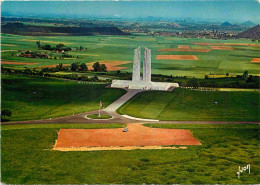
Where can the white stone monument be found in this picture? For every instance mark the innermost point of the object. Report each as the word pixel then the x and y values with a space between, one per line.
pixel 136 65
pixel 145 82
pixel 147 65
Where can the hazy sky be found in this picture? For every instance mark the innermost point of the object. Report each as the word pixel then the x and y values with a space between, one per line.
pixel 231 10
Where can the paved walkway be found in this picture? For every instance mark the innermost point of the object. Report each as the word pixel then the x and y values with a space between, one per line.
pixel 139 119
pixel 122 100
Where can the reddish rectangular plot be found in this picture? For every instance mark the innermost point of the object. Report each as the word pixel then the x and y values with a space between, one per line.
pixel 137 135
pixel 17 63
pixel 176 57
pixel 222 47
pixel 185 49
pixel 223 44
pixel 183 46
pixel 255 60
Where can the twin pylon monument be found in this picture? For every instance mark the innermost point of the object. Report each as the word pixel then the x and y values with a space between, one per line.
pixel 143 82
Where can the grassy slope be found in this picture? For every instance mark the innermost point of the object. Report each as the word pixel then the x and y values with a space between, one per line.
pixel 52 97
pixel 27 158
pixel 121 48
pixel 182 104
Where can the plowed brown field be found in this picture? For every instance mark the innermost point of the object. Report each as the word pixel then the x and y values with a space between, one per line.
pixel 222 47
pixel 224 44
pixel 184 46
pixel 17 63
pixel 255 60
pixel 176 57
pixel 185 49
pixel 137 135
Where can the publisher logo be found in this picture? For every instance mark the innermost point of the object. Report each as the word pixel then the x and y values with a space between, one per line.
pixel 241 170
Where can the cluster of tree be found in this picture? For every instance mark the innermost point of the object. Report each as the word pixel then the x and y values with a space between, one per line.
pixel 32 54
pixel 59 47
pixel 99 67
pixel 79 67
pixel 77 77
pixel 65 55
pixel 83 78
pixel 118 74
pixel 193 82
pixel 5 113
pixel 81 48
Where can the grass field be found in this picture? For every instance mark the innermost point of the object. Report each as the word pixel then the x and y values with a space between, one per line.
pixel 27 158
pixel 32 98
pixel 102 116
pixel 121 48
pixel 182 104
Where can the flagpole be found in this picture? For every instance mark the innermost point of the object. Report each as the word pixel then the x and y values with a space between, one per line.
pixel 99 112
pixel 99 108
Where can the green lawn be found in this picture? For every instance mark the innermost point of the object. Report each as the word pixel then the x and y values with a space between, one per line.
pixel 35 97
pixel 102 116
pixel 122 47
pixel 27 158
pixel 182 104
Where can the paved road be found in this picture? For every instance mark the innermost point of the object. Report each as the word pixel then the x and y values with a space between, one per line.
pixel 117 118
pixel 122 100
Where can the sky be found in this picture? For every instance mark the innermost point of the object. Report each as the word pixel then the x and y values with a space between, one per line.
pixel 225 10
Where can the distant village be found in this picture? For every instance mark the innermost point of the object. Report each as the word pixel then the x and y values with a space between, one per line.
pixel 59 49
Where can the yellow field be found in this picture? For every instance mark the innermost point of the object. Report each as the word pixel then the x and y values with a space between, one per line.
pixel 86 54
pixel 8 45
pixel 7 50
pixel 220 76
pixel 44 41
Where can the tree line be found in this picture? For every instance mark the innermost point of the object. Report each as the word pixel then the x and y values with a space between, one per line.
pixel 42 73
pixel 77 67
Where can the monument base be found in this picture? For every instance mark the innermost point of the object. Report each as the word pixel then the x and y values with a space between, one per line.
pixel 159 86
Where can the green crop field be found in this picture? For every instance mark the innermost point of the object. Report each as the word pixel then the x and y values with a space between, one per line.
pixel 27 158
pixel 182 104
pixel 39 98
pixel 234 61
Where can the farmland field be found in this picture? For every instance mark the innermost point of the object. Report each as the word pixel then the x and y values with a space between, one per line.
pixel 27 158
pixel 39 98
pixel 182 104
pixel 120 48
